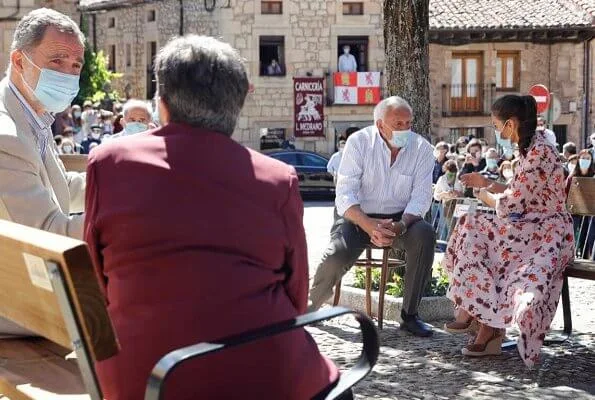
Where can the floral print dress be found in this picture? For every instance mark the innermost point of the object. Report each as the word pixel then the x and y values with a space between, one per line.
pixel 507 268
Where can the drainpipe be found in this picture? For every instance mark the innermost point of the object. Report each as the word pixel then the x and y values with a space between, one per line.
pixel 587 85
pixel 181 17
pixel 15 15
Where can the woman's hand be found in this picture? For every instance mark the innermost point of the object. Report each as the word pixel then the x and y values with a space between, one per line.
pixel 474 180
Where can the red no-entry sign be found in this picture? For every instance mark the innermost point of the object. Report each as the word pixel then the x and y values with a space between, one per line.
pixel 542 97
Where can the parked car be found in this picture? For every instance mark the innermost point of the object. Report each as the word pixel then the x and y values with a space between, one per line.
pixel 310 168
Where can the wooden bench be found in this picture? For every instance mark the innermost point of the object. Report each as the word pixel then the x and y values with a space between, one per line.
pixel 48 286
pixel 74 162
pixel 581 204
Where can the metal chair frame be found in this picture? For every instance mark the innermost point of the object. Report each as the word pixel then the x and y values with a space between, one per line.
pixel 363 366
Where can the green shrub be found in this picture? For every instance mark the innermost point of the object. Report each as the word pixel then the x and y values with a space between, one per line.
pixel 395 285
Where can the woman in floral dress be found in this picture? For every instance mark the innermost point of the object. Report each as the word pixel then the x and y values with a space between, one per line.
pixel 507 268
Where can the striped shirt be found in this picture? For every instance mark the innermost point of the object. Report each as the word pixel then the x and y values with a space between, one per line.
pixel 366 177
pixel 41 125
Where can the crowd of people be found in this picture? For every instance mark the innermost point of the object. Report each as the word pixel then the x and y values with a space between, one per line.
pixel 78 130
pixel 497 164
pixel 168 218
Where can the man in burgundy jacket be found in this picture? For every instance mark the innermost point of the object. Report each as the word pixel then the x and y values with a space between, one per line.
pixel 195 237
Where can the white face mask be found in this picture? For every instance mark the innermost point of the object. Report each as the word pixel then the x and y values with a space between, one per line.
pixel 507 174
pixel 66 149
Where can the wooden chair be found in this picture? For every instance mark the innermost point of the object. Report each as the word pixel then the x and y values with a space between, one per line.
pixel 581 203
pixel 385 264
pixel 48 286
pixel 74 162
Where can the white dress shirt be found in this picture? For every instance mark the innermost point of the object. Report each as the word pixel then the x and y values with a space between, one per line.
pixel 366 177
pixel 347 63
pixel 333 164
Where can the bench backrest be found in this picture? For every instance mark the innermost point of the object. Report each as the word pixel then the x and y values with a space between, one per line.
pixel 48 286
pixel 74 162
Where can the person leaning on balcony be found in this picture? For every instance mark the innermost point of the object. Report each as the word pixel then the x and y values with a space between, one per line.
pixel 384 189
pixel 46 58
pixel 507 268
pixel 347 62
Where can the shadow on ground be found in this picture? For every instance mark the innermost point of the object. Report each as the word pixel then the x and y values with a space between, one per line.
pixel 416 368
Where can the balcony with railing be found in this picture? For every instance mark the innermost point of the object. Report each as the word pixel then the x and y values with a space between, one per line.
pixel 467 100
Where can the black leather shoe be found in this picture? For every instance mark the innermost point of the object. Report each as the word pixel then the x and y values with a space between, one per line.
pixel 416 326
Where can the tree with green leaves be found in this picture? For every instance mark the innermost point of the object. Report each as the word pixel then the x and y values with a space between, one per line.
pixel 96 78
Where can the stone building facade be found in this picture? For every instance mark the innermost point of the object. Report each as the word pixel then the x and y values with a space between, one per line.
pixel 471 59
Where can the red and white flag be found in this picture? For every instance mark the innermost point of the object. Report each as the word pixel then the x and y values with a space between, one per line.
pixel 357 88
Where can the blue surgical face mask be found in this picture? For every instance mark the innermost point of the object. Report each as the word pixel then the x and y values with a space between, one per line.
pixel 54 90
pixel 584 163
pixel 133 127
pixel 400 138
pixel 508 152
pixel 506 144
pixel 491 163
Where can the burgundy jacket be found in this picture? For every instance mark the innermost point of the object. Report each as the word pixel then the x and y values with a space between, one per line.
pixel 195 237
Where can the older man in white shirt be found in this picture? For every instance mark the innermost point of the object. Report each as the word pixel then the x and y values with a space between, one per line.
pixel 384 188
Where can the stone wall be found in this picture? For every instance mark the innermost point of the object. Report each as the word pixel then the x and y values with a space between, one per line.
pixel 133 28
pixel 559 67
pixel 311 29
pixel 11 14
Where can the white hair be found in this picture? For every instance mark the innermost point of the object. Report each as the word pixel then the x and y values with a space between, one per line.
pixel 134 103
pixel 390 103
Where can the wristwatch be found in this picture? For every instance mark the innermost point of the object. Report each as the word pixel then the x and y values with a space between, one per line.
pixel 403 227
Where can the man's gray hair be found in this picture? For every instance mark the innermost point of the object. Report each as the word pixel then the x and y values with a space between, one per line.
pixel 202 81
pixel 390 103
pixel 135 103
pixel 31 29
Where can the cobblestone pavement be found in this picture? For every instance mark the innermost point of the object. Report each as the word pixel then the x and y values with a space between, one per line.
pixel 415 368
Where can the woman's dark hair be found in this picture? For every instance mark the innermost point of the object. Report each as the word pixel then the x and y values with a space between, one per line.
pixel 450 166
pixel 524 109
pixel 577 171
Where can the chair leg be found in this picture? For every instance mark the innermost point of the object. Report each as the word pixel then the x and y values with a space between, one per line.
pixel 566 307
pixel 337 293
pixel 382 288
pixel 368 291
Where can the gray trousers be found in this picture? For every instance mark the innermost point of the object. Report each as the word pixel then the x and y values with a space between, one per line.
pixel 348 241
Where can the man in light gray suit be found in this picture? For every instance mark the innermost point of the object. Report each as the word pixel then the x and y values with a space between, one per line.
pixel 46 59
